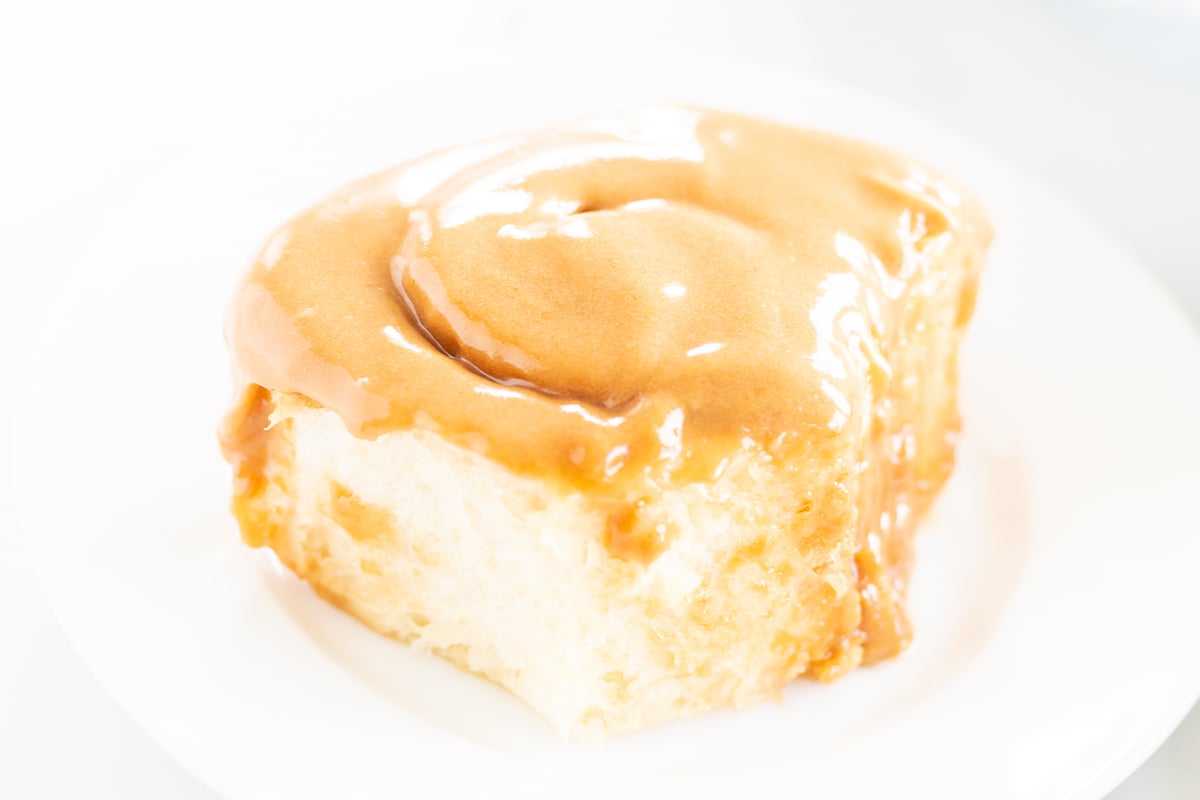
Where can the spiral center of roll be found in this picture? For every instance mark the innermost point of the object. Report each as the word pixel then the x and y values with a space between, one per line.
pixel 596 266
pixel 600 305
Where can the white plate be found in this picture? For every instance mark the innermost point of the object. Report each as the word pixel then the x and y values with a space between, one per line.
pixel 1054 597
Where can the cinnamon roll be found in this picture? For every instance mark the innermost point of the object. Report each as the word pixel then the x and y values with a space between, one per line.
pixel 635 416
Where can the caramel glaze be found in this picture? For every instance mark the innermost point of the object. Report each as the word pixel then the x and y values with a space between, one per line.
pixel 621 303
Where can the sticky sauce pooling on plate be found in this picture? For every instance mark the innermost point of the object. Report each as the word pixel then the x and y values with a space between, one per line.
pixel 632 295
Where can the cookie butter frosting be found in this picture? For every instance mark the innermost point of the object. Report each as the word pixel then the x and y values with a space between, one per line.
pixel 631 295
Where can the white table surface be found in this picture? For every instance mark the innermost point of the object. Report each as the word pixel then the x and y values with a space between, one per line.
pixel 1103 99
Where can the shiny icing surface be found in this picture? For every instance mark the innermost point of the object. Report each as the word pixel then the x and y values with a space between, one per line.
pixel 629 297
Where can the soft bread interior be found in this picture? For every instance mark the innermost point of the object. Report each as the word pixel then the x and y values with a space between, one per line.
pixel 514 579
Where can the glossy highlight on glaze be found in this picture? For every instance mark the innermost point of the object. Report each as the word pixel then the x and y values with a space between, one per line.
pixel 625 298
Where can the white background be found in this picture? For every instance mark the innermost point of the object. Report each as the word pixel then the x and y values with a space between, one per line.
pixel 1102 99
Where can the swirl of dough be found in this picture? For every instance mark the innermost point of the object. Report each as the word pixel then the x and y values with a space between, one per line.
pixel 636 291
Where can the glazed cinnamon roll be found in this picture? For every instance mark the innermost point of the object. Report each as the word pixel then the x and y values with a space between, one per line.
pixel 635 416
